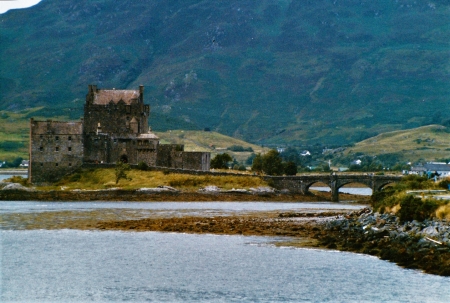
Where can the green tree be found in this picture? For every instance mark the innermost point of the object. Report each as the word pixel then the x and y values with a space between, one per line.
pixel 290 168
pixel 220 161
pixel 257 163
pixel 272 164
pixel 121 171
pixel 291 154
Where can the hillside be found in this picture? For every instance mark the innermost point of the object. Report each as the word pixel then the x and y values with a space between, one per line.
pixel 212 142
pixel 427 143
pixel 267 72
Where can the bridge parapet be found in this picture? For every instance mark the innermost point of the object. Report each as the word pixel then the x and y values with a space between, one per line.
pixel 301 184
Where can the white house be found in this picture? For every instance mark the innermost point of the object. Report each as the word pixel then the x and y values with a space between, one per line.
pixel 357 162
pixel 442 169
pixel 305 153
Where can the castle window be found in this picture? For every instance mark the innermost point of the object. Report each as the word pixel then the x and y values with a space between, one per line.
pixel 69 148
pixel 57 148
pixel 56 164
pixel 70 164
pixel 70 138
pixel 41 136
pixel 57 138
pixel 41 148
pixel 42 164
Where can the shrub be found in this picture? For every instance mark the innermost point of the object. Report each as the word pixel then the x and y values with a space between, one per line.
pixel 121 171
pixel 75 177
pixel 142 166
pixel 444 184
pixel 18 179
pixel 412 208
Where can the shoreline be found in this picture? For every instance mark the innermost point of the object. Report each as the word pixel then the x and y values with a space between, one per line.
pixel 174 196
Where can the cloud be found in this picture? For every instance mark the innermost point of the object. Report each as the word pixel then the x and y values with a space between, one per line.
pixel 6 5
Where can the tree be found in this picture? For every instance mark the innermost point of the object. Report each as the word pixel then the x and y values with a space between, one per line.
pixel 257 163
pixel 272 164
pixel 121 171
pixel 220 161
pixel 290 169
pixel 291 154
pixel 250 158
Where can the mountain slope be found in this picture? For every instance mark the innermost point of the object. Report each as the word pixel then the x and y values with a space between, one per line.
pixel 268 72
pixel 422 144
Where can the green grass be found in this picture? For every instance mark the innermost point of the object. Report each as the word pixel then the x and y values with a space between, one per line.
pixel 427 143
pixel 92 179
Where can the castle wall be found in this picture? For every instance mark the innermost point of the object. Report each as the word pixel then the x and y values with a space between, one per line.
pixel 147 151
pixel 97 148
pixel 196 161
pixel 170 155
pixel 56 149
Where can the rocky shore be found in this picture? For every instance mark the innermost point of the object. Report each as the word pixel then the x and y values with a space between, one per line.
pixel 418 245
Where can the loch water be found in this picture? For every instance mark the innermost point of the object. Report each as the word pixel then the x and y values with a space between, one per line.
pixel 114 266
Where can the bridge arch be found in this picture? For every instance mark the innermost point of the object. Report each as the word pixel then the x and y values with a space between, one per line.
pixel 382 185
pixel 302 183
pixel 361 188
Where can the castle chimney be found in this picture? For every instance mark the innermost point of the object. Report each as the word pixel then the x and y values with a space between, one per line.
pixel 141 92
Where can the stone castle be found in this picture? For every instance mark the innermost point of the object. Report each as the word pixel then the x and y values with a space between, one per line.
pixel 114 128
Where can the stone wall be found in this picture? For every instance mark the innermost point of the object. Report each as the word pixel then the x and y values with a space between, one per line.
pixel 56 149
pixel 170 155
pixel 196 160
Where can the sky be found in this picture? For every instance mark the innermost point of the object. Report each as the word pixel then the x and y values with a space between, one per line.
pixel 6 5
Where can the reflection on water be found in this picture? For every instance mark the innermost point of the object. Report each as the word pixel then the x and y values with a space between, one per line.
pixel 85 215
pixel 7 176
pixel 80 266
pixel 363 191
pixel 38 206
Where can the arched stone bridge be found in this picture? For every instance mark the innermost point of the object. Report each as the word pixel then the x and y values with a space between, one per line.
pixel 301 184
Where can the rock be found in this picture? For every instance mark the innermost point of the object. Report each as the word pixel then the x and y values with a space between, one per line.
pixel 262 189
pixel 423 243
pixel 430 231
pixel 14 186
pixel 210 188
pixel 157 189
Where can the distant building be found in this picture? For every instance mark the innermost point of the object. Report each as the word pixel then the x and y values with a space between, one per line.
pixel 305 153
pixel 114 128
pixel 356 162
pixel 442 169
pixel 24 163
pixel 281 149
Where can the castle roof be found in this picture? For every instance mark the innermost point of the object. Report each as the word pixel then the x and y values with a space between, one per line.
pixel 148 135
pixel 105 96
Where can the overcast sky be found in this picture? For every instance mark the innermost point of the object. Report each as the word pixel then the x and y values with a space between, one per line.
pixel 6 5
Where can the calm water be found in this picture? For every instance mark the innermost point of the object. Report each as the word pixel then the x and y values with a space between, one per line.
pixel 175 207
pixel 112 266
pixel 87 266
pixel 3 177
pixel 364 191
